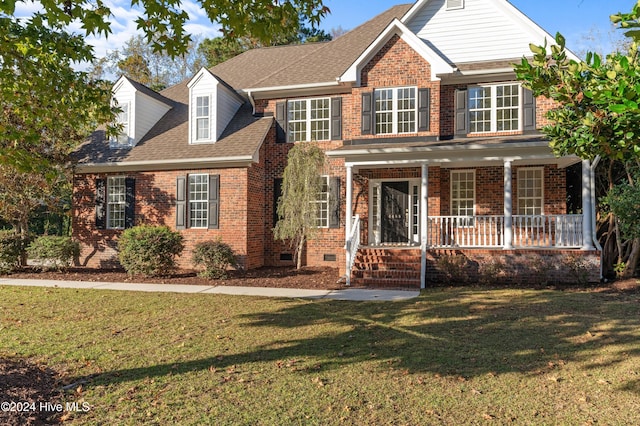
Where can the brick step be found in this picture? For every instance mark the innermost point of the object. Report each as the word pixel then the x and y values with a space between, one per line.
pixel 393 274
pixel 387 282
pixel 388 266
pixel 388 260
pixel 385 252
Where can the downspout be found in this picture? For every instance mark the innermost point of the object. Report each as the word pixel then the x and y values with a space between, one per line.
pixel 253 102
pixel 594 231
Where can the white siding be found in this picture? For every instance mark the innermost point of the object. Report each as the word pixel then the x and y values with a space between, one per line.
pixel 483 30
pixel 147 113
pixel 125 93
pixel 227 106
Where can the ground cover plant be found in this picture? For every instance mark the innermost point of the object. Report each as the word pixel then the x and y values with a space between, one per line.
pixel 453 356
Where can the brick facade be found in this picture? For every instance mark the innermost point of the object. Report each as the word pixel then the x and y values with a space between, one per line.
pixel 247 205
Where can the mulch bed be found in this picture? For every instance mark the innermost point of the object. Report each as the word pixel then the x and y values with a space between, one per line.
pixel 28 394
pixel 284 277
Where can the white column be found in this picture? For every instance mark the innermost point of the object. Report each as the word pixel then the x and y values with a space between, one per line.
pixel 349 204
pixel 587 207
pixel 508 206
pixel 424 216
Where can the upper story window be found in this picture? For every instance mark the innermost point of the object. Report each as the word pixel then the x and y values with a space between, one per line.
pixel 123 140
pixel 309 120
pixel 395 110
pixel 202 117
pixel 494 108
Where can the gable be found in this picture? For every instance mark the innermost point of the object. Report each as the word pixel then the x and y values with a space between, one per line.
pixel 481 30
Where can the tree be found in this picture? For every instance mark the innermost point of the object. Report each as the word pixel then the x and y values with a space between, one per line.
pixel 297 207
pixel 163 21
pixel 598 112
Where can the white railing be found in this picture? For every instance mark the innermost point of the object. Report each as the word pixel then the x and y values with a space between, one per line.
pixel 465 231
pixel 563 231
pixel 352 246
pixel 548 231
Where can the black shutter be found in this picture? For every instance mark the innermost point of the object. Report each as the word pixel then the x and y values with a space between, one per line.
pixel 461 128
pixel 130 202
pixel 181 202
pixel 277 193
pixel 336 119
pixel 528 110
pixel 424 99
pixel 214 200
pixel 281 122
pixel 367 114
pixel 334 202
pixel 101 208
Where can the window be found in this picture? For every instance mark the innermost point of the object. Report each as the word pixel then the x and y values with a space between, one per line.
pixel 494 108
pixel 530 191
pixel 322 220
pixel 309 120
pixel 123 140
pixel 116 202
pixel 463 195
pixel 203 128
pixel 198 201
pixel 395 110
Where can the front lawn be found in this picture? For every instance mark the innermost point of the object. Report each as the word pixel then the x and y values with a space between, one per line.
pixel 452 356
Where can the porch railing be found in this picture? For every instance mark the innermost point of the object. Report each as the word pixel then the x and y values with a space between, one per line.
pixel 352 246
pixel 529 231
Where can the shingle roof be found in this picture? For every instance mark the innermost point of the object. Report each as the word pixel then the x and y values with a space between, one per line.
pixel 149 92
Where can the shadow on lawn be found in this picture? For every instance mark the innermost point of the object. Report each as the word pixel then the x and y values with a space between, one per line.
pixel 454 333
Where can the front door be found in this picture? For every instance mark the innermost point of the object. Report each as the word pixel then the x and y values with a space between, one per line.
pixel 394 212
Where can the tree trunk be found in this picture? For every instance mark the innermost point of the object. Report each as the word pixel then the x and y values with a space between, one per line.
pixel 299 253
pixel 632 262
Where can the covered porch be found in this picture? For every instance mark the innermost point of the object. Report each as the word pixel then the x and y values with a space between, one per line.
pixel 496 196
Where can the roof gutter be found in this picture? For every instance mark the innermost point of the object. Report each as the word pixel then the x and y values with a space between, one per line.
pixel 121 166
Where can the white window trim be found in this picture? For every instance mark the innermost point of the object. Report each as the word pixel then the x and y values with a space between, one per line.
pixel 542 195
pixel 452 172
pixel 395 110
pixel 308 120
pixel 195 117
pixel 494 106
pixel 190 200
pixel 327 182
pixel 109 204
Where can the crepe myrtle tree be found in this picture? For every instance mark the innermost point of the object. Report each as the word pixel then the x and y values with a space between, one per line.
pixel 597 113
pixel 297 208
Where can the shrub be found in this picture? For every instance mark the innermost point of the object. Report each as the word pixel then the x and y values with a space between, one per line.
pixel 53 252
pixel 149 250
pixel 491 271
pixel 215 256
pixel 10 251
pixel 454 268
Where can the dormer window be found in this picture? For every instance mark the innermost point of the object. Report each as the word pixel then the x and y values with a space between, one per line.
pixel 202 118
pixel 124 139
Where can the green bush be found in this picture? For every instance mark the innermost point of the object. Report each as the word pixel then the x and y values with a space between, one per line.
pixel 215 256
pixel 53 252
pixel 10 251
pixel 149 250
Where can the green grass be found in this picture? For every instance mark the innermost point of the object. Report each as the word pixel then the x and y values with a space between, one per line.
pixel 452 356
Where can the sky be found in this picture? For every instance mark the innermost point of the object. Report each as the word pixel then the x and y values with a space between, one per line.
pixel 577 20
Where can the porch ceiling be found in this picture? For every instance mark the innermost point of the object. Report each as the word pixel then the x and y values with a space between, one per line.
pixel 529 150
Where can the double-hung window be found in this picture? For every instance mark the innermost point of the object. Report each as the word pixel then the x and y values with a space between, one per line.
pixel 309 119
pixel 494 108
pixel 322 219
pixel 530 191
pixel 202 118
pixel 463 188
pixel 395 110
pixel 198 201
pixel 116 202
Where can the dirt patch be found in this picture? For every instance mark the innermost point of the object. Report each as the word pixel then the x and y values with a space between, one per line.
pixel 308 277
pixel 28 393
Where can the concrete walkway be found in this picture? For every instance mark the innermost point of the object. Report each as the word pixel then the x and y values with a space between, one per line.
pixel 353 294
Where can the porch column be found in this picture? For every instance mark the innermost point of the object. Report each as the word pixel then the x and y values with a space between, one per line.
pixel 508 207
pixel 424 231
pixel 587 206
pixel 348 207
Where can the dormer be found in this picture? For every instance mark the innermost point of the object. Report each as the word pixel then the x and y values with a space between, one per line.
pixel 141 108
pixel 212 105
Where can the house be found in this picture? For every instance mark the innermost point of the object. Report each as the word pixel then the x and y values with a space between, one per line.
pixel 435 169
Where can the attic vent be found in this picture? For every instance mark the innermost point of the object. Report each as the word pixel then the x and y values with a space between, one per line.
pixel 455 4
